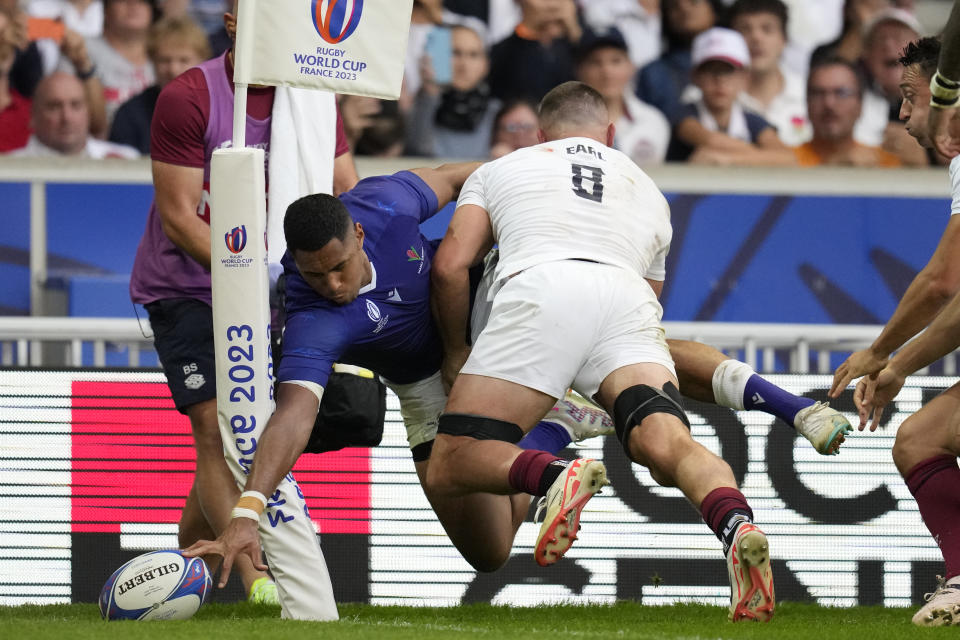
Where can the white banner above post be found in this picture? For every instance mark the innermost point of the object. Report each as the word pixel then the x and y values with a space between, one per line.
pixel 342 46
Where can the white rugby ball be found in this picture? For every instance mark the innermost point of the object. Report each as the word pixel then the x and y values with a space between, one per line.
pixel 160 585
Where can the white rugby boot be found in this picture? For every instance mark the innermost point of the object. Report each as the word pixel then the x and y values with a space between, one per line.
pixel 562 505
pixel 943 605
pixel 823 427
pixel 751 580
pixel 581 418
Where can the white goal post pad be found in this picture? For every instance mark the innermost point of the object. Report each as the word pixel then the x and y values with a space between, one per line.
pixel 241 325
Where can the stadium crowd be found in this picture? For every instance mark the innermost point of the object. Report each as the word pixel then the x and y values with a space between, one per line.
pixel 721 82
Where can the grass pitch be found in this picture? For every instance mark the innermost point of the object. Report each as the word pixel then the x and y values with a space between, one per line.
pixel 623 620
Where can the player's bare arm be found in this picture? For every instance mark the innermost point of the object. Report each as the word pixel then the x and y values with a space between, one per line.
pixel 447 179
pixel 344 173
pixel 469 237
pixel 282 442
pixel 656 285
pixel 926 296
pixel 178 191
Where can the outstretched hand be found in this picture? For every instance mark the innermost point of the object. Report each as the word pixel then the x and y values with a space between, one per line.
pixel 240 536
pixel 873 393
pixel 860 363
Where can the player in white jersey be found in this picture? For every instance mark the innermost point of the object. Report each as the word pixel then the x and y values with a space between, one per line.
pixel 928 443
pixel 575 220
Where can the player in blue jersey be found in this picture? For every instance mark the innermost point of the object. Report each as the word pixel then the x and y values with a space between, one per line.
pixel 358 273
pixel 358 292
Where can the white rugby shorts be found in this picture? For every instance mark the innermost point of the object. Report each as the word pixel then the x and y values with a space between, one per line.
pixel 567 324
pixel 421 403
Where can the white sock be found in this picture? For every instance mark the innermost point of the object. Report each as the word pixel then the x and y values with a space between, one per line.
pixel 729 382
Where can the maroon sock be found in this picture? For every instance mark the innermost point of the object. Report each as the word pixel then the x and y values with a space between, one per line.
pixel 934 483
pixel 723 510
pixel 527 470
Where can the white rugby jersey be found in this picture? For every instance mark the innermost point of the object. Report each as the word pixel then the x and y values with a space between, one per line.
pixel 955 185
pixel 572 198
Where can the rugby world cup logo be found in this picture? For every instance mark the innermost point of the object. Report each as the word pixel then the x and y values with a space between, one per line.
pixel 335 20
pixel 236 239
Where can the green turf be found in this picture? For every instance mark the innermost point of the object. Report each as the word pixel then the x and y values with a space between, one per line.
pixel 624 620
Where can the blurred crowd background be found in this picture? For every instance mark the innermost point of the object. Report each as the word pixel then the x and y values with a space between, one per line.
pixel 738 82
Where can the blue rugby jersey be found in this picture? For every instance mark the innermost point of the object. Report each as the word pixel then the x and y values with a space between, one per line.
pixel 389 328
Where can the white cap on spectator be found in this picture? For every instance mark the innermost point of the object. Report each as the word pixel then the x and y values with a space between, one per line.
pixel 893 14
pixel 718 43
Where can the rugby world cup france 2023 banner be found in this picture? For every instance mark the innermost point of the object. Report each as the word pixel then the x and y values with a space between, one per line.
pixel 342 46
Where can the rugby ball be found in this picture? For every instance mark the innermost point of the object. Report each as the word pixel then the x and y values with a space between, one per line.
pixel 160 585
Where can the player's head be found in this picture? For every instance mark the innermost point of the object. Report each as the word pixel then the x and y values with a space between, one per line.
pixel 574 109
pixel 919 62
pixel 327 246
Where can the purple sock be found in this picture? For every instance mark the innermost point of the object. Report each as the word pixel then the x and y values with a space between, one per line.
pixel 761 395
pixel 546 436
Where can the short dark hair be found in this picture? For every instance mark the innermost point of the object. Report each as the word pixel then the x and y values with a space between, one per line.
pixel 746 7
pixel 571 103
pixel 924 52
pixel 313 221
pixel 837 61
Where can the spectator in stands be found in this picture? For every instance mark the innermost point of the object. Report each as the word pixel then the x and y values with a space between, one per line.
pixel 849 46
pixel 373 127
pixel 641 131
pixel 60 120
pixel 40 56
pixel 662 82
pixel 834 98
pixel 455 121
pixel 14 108
pixel 426 16
pixel 514 127
pixel 716 129
pixel 208 14
pixel 637 20
pixel 539 54
pixel 175 45
pixel 83 17
pixel 120 56
pixel 773 91
pixel 885 38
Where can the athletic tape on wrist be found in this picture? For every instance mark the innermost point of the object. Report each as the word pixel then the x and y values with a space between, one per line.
pixel 241 512
pixel 249 502
pixel 255 494
pixel 944 93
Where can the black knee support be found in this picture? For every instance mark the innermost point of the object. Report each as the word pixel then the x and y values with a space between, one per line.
pixel 637 402
pixel 479 427
pixel 422 451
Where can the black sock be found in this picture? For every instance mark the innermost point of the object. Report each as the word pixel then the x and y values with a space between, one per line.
pixel 550 475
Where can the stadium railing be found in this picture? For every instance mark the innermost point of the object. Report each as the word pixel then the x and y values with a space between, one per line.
pixel 767 347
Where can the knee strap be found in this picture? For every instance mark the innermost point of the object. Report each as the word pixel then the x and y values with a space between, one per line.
pixel 637 402
pixel 479 427
pixel 422 451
